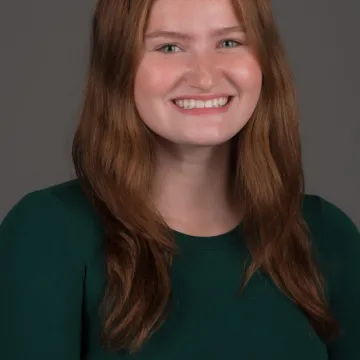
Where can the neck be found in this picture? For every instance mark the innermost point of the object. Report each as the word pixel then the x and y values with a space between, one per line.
pixel 191 189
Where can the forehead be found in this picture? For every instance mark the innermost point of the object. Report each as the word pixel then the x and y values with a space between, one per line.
pixel 191 15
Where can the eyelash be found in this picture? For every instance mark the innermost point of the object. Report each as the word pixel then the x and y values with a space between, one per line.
pixel 173 44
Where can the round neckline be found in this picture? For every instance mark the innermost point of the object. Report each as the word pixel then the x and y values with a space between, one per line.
pixel 208 242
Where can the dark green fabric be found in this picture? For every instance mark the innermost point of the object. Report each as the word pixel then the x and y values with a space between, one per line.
pixel 52 277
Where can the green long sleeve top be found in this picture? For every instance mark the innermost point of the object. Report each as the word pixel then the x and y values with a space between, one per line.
pixel 52 278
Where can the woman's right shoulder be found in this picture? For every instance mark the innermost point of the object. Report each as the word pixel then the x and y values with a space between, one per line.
pixel 57 220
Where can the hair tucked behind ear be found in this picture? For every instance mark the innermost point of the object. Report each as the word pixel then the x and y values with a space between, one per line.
pixel 114 160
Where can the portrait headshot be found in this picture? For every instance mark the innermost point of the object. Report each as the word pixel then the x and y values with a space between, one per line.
pixel 180 180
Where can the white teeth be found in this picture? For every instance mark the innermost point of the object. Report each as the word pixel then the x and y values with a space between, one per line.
pixel 191 103
pixel 209 103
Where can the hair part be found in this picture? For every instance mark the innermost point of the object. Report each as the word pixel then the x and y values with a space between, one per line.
pixel 115 163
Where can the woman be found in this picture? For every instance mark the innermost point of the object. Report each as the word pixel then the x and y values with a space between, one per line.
pixel 187 234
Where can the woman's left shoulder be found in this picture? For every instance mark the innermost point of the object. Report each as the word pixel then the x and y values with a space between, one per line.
pixel 330 227
pixel 336 241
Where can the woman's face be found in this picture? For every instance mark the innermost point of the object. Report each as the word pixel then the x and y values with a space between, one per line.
pixel 195 59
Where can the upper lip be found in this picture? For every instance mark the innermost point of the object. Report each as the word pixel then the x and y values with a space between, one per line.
pixel 203 97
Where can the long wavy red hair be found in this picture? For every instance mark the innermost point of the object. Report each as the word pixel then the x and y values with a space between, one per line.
pixel 115 163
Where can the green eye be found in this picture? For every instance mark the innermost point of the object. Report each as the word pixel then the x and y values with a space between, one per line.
pixel 168 48
pixel 231 43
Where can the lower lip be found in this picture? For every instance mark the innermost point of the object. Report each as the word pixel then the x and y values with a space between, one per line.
pixel 204 111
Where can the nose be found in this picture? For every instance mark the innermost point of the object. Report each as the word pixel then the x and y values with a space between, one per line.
pixel 204 72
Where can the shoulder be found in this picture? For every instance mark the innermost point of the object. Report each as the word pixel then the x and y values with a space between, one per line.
pixel 60 204
pixel 46 243
pixel 336 243
pixel 329 224
pixel 57 217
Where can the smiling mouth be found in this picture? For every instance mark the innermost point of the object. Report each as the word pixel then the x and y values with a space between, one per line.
pixel 190 104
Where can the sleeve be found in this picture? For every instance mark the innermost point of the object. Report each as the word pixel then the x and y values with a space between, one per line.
pixel 40 283
pixel 345 281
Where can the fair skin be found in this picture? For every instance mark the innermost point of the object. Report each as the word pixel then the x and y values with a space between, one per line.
pixel 191 185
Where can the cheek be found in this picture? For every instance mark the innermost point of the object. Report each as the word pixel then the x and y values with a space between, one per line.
pixel 247 74
pixel 154 81
pixel 156 78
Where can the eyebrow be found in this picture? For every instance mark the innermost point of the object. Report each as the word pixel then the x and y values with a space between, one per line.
pixel 184 36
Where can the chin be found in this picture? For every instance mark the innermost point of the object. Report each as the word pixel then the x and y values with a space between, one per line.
pixel 205 141
pixel 212 139
pixel 196 139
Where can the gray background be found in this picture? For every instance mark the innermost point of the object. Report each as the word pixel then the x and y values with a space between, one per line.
pixel 44 53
